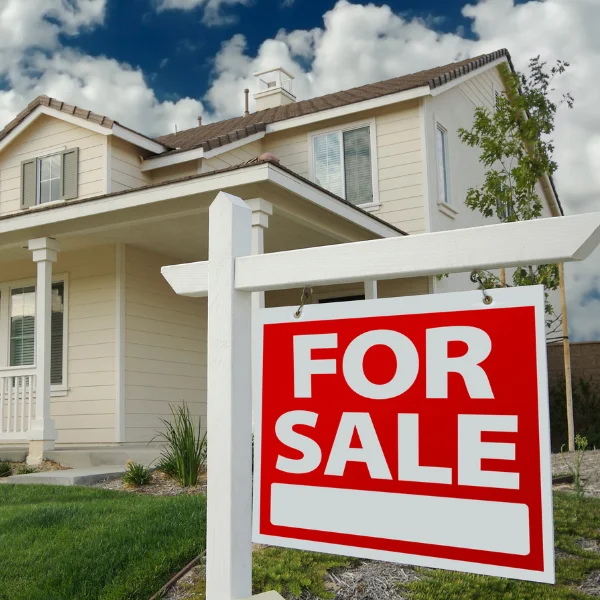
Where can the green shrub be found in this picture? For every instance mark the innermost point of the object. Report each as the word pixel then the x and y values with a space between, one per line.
pixel 184 456
pixel 5 468
pixel 586 412
pixel 25 470
pixel 136 475
pixel 292 572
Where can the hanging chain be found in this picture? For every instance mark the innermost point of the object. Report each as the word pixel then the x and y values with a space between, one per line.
pixel 476 278
pixel 306 296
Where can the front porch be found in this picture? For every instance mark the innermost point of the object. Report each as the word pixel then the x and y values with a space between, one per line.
pixel 94 345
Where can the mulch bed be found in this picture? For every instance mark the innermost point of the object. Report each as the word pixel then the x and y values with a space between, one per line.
pixel 160 485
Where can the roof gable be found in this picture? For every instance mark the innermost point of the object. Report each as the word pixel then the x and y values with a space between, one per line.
pixel 79 116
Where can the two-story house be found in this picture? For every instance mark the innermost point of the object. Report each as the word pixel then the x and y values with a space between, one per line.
pixel 94 345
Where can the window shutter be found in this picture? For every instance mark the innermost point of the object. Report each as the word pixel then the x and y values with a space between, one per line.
pixel 357 165
pixel 28 183
pixel 70 173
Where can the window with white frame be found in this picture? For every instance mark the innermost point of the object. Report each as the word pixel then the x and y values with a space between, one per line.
pixel 342 164
pixel 50 173
pixel 442 158
pixel 21 328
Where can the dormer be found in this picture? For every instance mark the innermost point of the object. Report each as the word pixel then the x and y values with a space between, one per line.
pixel 274 88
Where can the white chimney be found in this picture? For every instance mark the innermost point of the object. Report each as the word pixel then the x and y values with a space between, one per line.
pixel 274 88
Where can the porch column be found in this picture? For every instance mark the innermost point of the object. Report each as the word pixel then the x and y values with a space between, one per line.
pixel 370 290
pixel 42 433
pixel 261 211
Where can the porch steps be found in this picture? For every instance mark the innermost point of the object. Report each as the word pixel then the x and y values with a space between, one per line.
pixel 85 458
pixel 71 477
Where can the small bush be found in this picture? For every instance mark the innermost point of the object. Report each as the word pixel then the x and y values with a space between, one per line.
pixel 292 572
pixel 136 475
pixel 25 470
pixel 5 468
pixel 184 456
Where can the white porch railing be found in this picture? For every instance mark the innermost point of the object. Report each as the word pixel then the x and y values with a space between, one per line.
pixel 17 402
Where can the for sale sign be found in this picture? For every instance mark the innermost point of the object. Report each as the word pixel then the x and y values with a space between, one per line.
pixel 413 430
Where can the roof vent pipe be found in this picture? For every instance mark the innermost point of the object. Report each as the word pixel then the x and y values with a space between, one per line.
pixel 246 102
pixel 200 121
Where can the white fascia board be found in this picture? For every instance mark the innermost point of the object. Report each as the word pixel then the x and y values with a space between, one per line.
pixel 454 82
pixel 158 162
pixel 57 114
pixel 324 200
pixel 349 109
pixel 138 140
pixel 76 210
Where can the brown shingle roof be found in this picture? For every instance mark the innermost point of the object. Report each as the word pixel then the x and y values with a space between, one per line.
pixel 218 134
pixel 69 109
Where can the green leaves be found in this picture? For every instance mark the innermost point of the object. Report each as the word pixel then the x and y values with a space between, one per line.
pixel 184 456
pixel 136 475
pixel 518 154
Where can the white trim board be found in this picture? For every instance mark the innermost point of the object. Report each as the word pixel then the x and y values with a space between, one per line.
pixel 158 162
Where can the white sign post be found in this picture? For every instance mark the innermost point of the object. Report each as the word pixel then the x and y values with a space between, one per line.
pixel 229 277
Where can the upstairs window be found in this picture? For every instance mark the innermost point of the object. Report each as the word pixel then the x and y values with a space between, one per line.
pixel 442 159
pixel 50 178
pixel 342 164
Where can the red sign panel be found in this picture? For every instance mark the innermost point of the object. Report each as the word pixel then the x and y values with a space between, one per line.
pixel 413 430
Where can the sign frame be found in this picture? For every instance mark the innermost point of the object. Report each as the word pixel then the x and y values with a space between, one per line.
pixel 407 305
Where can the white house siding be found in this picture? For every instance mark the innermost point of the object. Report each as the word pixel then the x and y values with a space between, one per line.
pixel 44 136
pixel 85 414
pixel 165 347
pixel 232 157
pixel 126 166
pixel 185 169
pixel 399 159
pixel 385 289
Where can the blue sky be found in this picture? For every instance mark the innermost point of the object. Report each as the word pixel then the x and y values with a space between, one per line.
pixel 157 64
pixel 175 48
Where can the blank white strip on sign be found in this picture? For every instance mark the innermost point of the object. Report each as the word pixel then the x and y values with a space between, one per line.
pixel 454 522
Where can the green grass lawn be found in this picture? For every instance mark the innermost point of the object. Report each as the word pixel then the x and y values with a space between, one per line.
pixel 63 543
pixel 83 544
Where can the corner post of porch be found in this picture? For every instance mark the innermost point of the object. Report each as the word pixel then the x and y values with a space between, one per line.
pixel 261 211
pixel 42 434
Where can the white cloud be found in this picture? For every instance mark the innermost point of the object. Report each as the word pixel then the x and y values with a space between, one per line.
pixel 213 13
pixel 39 22
pixel 33 62
pixel 359 44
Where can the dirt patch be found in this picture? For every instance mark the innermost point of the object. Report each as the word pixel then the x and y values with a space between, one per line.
pixel 591 586
pixel 370 580
pixel 590 471
pixel 160 485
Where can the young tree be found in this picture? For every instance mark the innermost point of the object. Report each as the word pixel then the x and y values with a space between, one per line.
pixel 517 152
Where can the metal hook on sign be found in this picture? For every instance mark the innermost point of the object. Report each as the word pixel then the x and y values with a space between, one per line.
pixel 476 278
pixel 306 294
